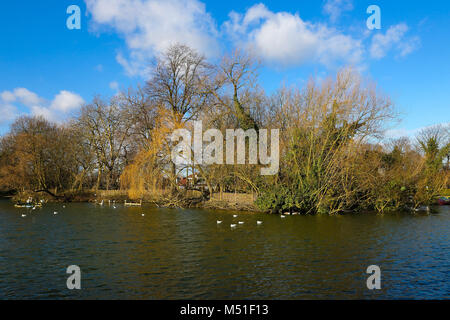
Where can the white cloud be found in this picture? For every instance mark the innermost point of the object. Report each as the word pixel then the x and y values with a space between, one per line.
pixel 335 8
pixel 60 107
pixel 7 96
pixel 409 46
pixel 66 101
pixel 44 112
pixel 399 133
pixel 114 85
pixel 56 110
pixel 284 38
pixel 150 26
pixel 402 132
pixel 394 38
pixel 281 38
pixel 8 112
pixel 21 95
pixel 136 64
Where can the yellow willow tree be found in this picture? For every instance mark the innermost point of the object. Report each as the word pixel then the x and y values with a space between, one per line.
pixel 151 170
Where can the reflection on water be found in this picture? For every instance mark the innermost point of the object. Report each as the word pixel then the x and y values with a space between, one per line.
pixel 185 254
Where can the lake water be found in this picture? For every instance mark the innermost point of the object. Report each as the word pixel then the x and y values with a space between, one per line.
pixel 185 254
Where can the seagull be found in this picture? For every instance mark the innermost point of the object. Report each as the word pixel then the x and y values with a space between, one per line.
pixel 24 215
pixel 219 222
pixel 114 207
pixel 241 222
pixel 258 222
pixel 55 212
pixel 235 216
pixel 143 215
pixel 282 216
pixel 64 207
pixel 233 225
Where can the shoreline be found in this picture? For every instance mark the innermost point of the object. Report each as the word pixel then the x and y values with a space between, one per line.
pixel 178 202
pixel 231 208
pixel 120 197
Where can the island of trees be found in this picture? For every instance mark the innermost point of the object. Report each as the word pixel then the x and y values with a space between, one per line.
pixel 333 157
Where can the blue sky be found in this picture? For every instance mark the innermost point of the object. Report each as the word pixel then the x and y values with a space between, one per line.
pixel 50 70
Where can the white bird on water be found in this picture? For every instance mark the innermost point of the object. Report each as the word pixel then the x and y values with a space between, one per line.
pixel 283 216
pixel 219 222
pixel 258 222
pixel 241 222
pixel 233 225
pixel 235 216
pixel 24 215
pixel 55 212
pixel 143 215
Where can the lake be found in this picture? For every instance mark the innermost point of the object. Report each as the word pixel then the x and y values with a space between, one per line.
pixel 185 254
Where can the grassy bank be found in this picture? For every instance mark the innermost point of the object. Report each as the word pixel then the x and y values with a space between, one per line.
pixel 186 199
pixel 160 198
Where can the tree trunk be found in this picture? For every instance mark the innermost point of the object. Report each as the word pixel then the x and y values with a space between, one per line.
pixel 99 178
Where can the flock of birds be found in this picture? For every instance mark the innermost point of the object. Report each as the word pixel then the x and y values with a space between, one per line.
pixel 233 225
pixel 54 213
pixel 34 207
pixel 101 203
pixel 113 202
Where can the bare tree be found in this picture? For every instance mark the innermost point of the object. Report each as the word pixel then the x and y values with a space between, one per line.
pixel 106 127
pixel 233 87
pixel 178 82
